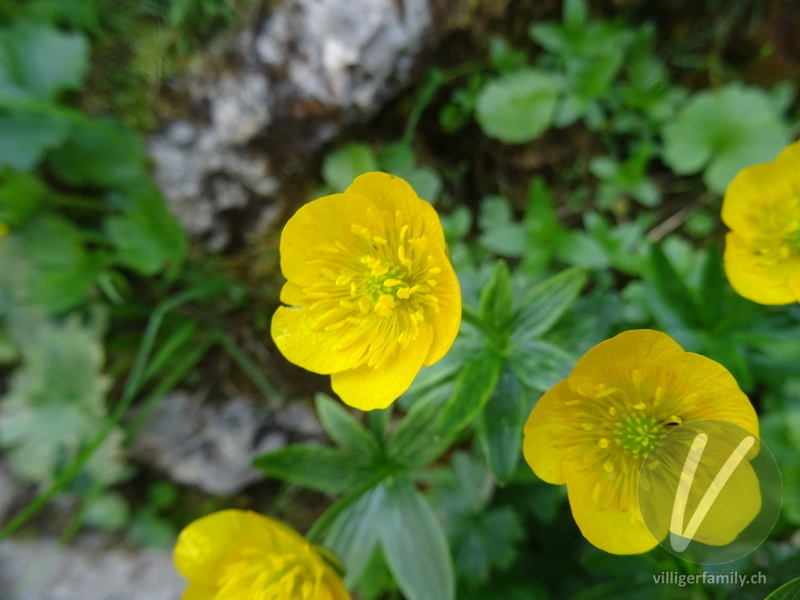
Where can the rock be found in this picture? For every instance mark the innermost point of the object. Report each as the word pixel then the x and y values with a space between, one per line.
pixel 309 69
pixel 90 569
pixel 212 446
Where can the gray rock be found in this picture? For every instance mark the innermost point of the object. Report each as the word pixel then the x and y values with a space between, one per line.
pixel 212 446
pixel 309 69
pixel 90 569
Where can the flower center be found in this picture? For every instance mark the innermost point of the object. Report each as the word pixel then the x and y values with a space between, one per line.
pixel 638 433
pixel 792 239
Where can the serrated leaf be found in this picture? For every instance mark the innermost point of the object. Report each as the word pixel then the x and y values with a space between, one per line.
pixel 316 467
pixel 500 425
pixel 540 309
pixel 539 364
pixel 517 107
pixel 724 131
pixel 146 236
pixel 99 152
pixel 341 166
pixel 414 544
pixel 473 387
pixel 344 429
pixel 26 137
pixel 496 302
pixel 42 60
pixel 353 536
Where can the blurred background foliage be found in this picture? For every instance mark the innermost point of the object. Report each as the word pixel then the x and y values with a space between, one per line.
pixel 577 164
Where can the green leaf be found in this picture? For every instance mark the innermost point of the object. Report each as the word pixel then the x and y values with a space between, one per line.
pixel 353 536
pixel 316 467
pixel 539 364
pixel 497 298
pixel 541 308
pixel 21 195
pixel 473 388
pixel 414 544
pixel 670 287
pixel 344 429
pixel 108 512
pixel 26 137
pixel 517 107
pixel 341 166
pixel 788 591
pixel 42 60
pixel 723 132
pixel 99 152
pixel 575 14
pixel 500 425
pixel 489 541
pixel 146 236
pixel 417 440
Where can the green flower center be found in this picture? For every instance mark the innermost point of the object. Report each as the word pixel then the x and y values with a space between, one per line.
pixel 793 239
pixel 638 434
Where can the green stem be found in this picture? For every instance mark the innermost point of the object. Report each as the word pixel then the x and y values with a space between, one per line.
pixel 250 368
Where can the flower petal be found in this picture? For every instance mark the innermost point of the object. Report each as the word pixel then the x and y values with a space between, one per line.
pixel 196 591
pixel 610 527
pixel 611 363
pixel 749 278
pixel 313 349
pixel 392 194
pixel 368 388
pixel 448 319
pixel 322 221
pixel 543 430
pixel 713 391
pixel 207 544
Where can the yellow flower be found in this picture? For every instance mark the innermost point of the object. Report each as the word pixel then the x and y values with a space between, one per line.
pixel 762 250
pixel 371 292
pixel 241 555
pixel 593 430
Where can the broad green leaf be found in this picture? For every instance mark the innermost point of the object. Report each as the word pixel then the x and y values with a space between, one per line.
pixel 500 425
pixel 21 195
pixel 42 60
pixel 145 235
pixel 788 591
pixel 670 286
pixel 497 300
pixel 26 137
pixel 722 132
pixel 99 152
pixel 540 309
pixel 108 512
pixel 353 536
pixel 575 14
pixel 341 166
pixel 500 233
pixel 316 467
pixel 473 387
pixel 414 544
pixel 539 364
pixel 344 429
pixel 517 107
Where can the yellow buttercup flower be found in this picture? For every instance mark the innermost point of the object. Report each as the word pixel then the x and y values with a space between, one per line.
pixel 241 555
pixel 762 250
pixel 593 430
pixel 371 292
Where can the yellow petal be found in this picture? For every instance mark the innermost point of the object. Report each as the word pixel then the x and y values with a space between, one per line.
pixel 322 221
pixel 392 194
pixel 196 591
pixel 615 529
pixel 316 350
pixel 292 294
pixel 790 158
pixel 544 430
pixel 448 319
pixel 611 363
pixel 713 391
pixel 207 544
pixel 749 278
pixel 367 388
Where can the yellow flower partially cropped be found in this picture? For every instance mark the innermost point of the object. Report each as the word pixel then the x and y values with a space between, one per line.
pixel 241 555
pixel 593 430
pixel 762 250
pixel 371 292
